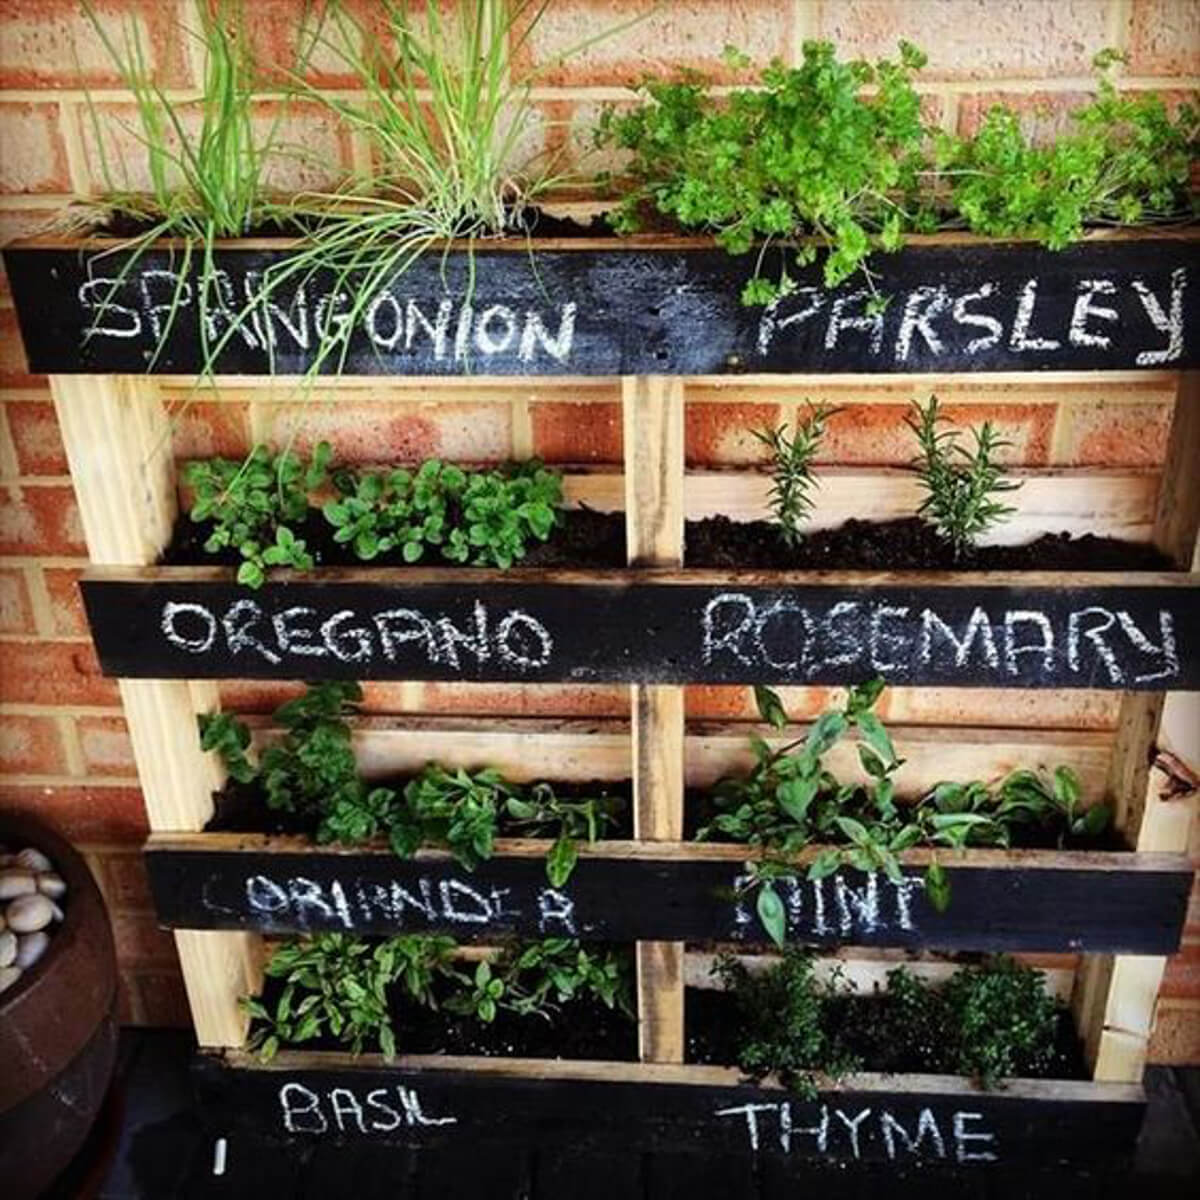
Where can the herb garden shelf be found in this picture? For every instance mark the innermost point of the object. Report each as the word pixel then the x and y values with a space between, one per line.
pixel 653 311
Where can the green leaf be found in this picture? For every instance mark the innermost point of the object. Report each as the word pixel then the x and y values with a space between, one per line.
pixel 770 707
pixel 937 886
pixel 1067 789
pixel 561 859
pixel 825 864
pixel 795 796
pixel 772 914
pixel 251 575
pixel 870 726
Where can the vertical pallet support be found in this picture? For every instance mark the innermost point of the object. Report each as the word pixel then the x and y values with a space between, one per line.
pixel 118 441
pixel 1152 780
pixel 653 436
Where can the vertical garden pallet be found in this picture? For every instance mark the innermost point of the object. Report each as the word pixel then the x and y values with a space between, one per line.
pixel 118 442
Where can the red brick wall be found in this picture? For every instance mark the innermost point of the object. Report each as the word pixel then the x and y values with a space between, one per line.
pixel 63 747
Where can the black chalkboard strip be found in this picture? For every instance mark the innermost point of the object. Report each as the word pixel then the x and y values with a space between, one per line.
pixel 669 891
pixel 905 1120
pixel 1134 632
pixel 635 306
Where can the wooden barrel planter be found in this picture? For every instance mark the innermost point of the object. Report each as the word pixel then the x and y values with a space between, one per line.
pixel 58 1027
pixel 654 312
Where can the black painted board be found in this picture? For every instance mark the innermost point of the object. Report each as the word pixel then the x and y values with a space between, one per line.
pixel 1112 636
pixel 564 1173
pixel 668 899
pixel 1103 305
pixel 688 1175
pixel 437 1108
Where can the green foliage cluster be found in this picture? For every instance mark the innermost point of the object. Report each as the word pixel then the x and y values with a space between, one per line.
pixel 253 504
pixel 792 480
pixel 1126 162
pixel 790 800
pixel 311 771
pixel 989 1022
pixel 343 986
pixel 811 158
pixel 961 484
pixel 783 1020
pixel 486 518
pixel 806 151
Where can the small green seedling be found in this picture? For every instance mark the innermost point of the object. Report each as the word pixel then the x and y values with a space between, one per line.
pixel 962 485
pixel 792 479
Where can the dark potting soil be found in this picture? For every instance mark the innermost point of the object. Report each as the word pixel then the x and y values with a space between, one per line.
pixel 582 1029
pixel 865 1024
pixel 530 222
pixel 581 538
pixel 242 808
pixel 909 544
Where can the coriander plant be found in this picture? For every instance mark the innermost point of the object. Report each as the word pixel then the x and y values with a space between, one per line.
pixel 541 976
pixel 792 479
pixel 540 810
pixel 962 485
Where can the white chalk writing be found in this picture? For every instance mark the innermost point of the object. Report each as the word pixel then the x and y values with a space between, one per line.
pixel 856 1134
pixel 304 1110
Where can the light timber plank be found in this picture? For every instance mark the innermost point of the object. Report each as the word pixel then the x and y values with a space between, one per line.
pixel 1153 781
pixel 118 443
pixel 1109 502
pixel 652 412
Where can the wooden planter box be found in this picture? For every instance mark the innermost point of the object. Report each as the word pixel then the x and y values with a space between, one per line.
pixel 902 1120
pixel 654 312
pixel 631 306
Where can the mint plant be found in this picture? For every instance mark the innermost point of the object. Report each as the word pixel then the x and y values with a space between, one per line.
pixel 962 485
pixel 792 479
pixel 805 158
pixel 253 504
pixel 790 800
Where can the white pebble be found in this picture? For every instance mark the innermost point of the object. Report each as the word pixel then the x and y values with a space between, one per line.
pixel 8 948
pixel 53 886
pixel 8 976
pixel 28 914
pixel 30 948
pixel 34 860
pixel 16 883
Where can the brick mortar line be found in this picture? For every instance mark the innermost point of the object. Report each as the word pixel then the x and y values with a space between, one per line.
pixel 14 708
pixel 72 744
pixel 584 92
pixel 54 561
pixel 39 599
pixel 14 779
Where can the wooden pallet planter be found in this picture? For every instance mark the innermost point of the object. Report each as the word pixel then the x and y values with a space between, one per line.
pixel 630 307
pixel 962 305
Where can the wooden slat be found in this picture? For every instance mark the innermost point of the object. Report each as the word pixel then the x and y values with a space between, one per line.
pixel 652 422
pixel 1120 862
pixel 1105 502
pixel 865 970
pixel 118 444
pixel 582 750
pixel 1153 789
